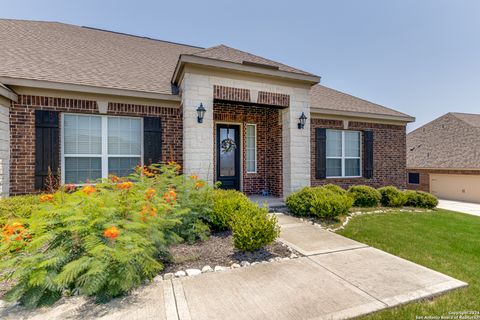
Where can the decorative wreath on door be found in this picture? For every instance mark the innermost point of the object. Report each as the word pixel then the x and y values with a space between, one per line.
pixel 228 144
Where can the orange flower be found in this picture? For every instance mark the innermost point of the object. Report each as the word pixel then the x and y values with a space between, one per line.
pixel 125 185
pixel 111 232
pixel 170 196
pixel 199 184
pixel 175 165
pixel 46 197
pixel 114 178
pixel 88 190
pixel 194 177
pixel 150 193
pixel 15 229
pixel 148 211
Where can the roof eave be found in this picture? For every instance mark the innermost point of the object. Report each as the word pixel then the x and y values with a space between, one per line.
pixel 86 89
pixel 404 119
pixel 194 60
pixel 7 93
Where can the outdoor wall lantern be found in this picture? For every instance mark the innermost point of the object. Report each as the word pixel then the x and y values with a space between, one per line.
pixel 200 113
pixel 301 121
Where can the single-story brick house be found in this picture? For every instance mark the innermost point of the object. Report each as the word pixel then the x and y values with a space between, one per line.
pixel 443 157
pixel 91 102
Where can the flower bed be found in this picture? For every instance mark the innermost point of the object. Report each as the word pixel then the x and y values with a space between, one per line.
pixel 107 238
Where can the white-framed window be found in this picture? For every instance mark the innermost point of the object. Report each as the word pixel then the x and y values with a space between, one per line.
pixel 95 146
pixel 251 148
pixel 343 154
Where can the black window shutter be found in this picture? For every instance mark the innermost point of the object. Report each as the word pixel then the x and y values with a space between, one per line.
pixel 321 154
pixel 152 140
pixel 368 154
pixel 47 145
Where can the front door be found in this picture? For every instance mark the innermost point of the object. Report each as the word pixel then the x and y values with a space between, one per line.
pixel 228 156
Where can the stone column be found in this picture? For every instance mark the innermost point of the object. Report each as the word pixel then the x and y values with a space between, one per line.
pixel 198 141
pixel 296 143
pixel 4 151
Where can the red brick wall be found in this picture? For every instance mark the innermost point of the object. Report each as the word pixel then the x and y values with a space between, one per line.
pixel 269 145
pixel 425 177
pixel 389 154
pixel 22 131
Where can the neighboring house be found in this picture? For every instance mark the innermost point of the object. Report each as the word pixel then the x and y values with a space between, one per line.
pixel 443 157
pixel 90 103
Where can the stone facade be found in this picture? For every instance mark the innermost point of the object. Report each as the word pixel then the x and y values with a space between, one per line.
pixel 389 153
pixel 269 145
pixel 424 175
pixel 22 131
pixel 4 151
pixel 198 87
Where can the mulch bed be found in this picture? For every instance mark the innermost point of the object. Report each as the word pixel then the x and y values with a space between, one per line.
pixel 218 250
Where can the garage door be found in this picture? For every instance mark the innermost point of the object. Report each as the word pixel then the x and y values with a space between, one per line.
pixel 456 187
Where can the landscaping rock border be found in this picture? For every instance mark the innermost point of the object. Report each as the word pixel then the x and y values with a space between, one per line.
pixel 207 269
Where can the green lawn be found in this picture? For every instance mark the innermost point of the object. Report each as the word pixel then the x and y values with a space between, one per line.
pixel 442 240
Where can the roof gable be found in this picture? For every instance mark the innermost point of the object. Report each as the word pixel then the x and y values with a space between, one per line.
pixel 224 53
pixel 447 142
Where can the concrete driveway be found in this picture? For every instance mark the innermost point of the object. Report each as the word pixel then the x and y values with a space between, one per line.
pixel 338 278
pixel 465 207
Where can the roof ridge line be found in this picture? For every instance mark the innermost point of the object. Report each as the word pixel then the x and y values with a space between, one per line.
pixel 137 36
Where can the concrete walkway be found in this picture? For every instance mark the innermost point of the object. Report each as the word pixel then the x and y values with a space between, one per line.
pixel 337 278
pixel 465 207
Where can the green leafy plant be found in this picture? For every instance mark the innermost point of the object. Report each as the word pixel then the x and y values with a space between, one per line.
pixel 319 202
pixel 329 204
pixel 392 197
pixel 100 240
pixel 17 207
pixel 365 196
pixel 300 202
pixel 226 204
pixel 420 199
pixel 253 228
pixel 335 188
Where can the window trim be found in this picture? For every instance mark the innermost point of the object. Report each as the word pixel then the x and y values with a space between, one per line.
pixel 104 156
pixel 255 148
pixel 408 178
pixel 343 157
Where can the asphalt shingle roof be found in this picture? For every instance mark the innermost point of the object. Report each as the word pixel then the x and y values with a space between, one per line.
pixel 70 54
pixel 224 53
pixel 330 99
pixel 451 141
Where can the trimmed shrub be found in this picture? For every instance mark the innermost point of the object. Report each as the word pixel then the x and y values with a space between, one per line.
pixel 253 228
pixel 329 204
pixel 364 196
pixel 226 204
pixel 392 197
pixel 335 188
pixel 420 199
pixel 299 203
pixel 319 202
pixel 100 240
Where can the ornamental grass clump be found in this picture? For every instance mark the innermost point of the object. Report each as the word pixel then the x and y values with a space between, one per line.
pixel 100 240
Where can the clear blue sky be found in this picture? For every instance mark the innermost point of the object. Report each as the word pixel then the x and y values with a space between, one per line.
pixel 421 57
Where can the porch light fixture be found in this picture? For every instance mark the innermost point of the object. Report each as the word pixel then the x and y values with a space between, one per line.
pixel 301 121
pixel 200 113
